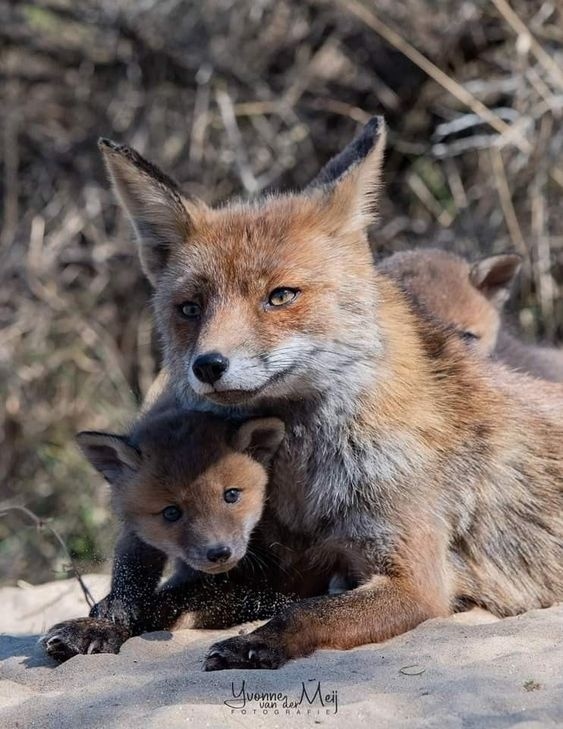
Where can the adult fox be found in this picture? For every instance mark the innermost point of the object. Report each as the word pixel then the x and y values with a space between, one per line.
pixel 427 477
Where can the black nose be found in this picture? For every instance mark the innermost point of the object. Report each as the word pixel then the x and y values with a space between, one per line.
pixel 210 367
pixel 218 554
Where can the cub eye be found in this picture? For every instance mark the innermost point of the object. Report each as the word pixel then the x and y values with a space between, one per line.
pixel 468 336
pixel 231 495
pixel 282 296
pixel 171 513
pixel 189 310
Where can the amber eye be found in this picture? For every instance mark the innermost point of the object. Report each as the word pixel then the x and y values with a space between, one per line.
pixel 282 296
pixel 171 513
pixel 231 496
pixel 189 310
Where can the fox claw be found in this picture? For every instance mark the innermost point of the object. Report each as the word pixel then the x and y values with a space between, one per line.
pixel 83 636
pixel 246 651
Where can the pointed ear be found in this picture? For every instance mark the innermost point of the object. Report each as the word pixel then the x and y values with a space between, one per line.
pixel 160 215
pixel 350 181
pixel 493 276
pixel 110 454
pixel 259 438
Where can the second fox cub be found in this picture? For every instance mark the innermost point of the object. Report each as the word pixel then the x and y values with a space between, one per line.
pixel 430 478
pixel 471 297
pixel 188 487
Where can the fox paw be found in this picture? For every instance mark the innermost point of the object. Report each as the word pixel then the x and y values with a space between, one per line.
pixel 245 651
pixel 117 610
pixel 83 636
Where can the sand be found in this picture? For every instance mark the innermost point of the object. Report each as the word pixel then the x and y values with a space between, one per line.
pixel 470 671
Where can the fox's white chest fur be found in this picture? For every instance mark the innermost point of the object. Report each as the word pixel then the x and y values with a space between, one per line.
pixel 327 471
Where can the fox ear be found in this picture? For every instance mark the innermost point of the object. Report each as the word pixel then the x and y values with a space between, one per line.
pixel 110 454
pixel 351 179
pixel 154 203
pixel 493 276
pixel 259 438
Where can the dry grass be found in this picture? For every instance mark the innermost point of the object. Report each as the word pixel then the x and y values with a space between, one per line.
pixel 235 96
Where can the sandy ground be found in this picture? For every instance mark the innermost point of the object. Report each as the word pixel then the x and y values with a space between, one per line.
pixel 470 671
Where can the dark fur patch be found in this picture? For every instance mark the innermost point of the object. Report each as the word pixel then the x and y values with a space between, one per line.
pixel 355 152
pixel 132 156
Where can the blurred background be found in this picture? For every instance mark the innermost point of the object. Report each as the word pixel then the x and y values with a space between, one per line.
pixel 233 97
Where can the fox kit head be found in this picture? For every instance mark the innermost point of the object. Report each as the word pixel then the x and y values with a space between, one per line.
pixel 190 485
pixel 266 299
pixel 468 296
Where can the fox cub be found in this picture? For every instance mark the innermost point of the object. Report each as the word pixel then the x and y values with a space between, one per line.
pixel 471 298
pixel 188 487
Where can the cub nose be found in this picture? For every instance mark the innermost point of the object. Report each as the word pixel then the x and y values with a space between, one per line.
pixel 210 367
pixel 218 554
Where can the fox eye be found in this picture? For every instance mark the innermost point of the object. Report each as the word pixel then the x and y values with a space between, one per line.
pixel 171 513
pixel 231 495
pixel 469 336
pixel 282 296
pixel 189 309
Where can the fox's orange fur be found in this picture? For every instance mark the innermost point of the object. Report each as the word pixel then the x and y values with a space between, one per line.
pixel 471 297
pixel 430 478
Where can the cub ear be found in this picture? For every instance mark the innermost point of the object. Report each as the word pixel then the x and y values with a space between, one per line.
pixel 162 218
pixel 259 438
pixel 110 454
pixel 493 276
pixel 352 178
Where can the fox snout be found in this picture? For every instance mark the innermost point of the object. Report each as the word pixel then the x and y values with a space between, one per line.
pixel 219 554
pixel 221 374
pixel 210 367
pixel 214 558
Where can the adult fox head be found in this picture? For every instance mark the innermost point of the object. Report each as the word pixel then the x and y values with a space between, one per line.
pixel 272 298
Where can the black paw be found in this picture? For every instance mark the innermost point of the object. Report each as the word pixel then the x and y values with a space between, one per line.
pixel 83 636
pixel 117 610
pixel 245 651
